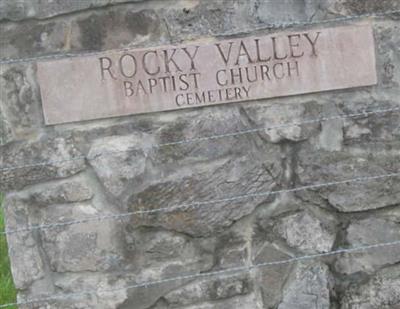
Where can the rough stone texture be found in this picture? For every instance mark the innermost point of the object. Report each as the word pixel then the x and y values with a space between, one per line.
pixel 113 166
pixel 306 233
pixel 208 290
pixel 367 232
pixel 62 158
pixel 271 280
pixel 60 193
pixel 310 288
pixel 381 291
pixel 27 267
pixel 118 160
pixel 338 166
pixel 88 247
pixel 40 9
pixel 19 98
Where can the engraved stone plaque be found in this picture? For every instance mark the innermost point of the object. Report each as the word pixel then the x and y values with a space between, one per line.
pixel 137 81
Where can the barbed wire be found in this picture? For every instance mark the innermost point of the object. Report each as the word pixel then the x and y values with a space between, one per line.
pixel 364 113
pixel 308 23
pixel 194 204
pixel 235 270
pixel 263 27
pixel 210 202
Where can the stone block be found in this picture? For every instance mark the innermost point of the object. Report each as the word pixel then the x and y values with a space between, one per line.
pixel 306 232
pixel 26 257
pixel 310 287
pixel 119 160
pixel 39 9
pixel 272 278
pixel 36 161
pixel 81 247
pixel 64 192
pixel 208 290
pixel 163 160
pixel 365 232
pixel 20 110
pixel 163 253
pixel 324 167
pixel 380 291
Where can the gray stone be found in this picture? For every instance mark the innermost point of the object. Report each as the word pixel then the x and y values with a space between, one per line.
pixel 121 297
pixel 27 265
pixel 310 288
pixel 165 253
pixel 232 250
pixel 81 247
pixel 324 167
pixel 265 115
pixel 25 9
pixel 289 10
pixel 272 278
pixel 38 161
pixel 356 131
pixel 44 38
pixel 117 28
pixel 69 191
pixel 203 18
pixel 193 125
pixel 306 232
pixel 226 17
pixel 375 134
pixel 208 290
pixel 208 185
pixel 20 113
pixel 389 72
pixel 382 291
pixel 119 160
pixel 331 137
pixel 368 6
pixel 5 129
pixel 130 168
pixel 155 179
pixel 370 231
pixel 98 30
pixel 76 283
pixel 249 301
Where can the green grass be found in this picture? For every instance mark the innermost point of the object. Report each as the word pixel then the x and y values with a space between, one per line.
pixel 7 290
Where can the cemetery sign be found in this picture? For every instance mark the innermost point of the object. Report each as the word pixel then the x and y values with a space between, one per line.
pixel 136 81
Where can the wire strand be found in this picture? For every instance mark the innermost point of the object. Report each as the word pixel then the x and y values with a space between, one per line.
pixel 194 204
pixel 238 269
pixel 263 27
pixel 310 23
pixel 364 113
pixel 191 205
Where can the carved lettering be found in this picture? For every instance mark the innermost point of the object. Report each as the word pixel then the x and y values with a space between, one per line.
pixel 313 42
pixel 169 58
pixel 294 44
pixel 275 50
pixel 224 56
pixel 191 56
pixel 166 78
pixel 146 64
pixel 243 52
pixel 258 50
pixel 128 65
pixel 105 66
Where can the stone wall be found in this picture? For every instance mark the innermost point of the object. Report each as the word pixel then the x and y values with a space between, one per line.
pixel 113 166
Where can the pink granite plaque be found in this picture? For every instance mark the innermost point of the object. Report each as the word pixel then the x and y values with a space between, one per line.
pixel 168 78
